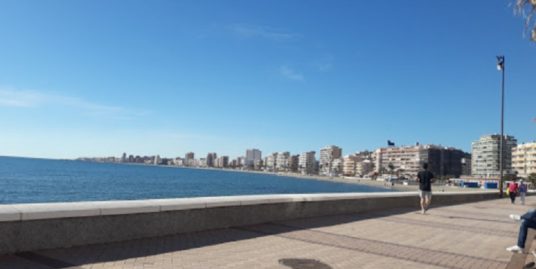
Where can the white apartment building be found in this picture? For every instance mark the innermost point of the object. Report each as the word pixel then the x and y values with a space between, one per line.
pixel 307 163
pixel 336 167
pixel 524 159
pixel 327 155
pixel 348 165
pixel 485 160
pixel 282 161
pixel 270 161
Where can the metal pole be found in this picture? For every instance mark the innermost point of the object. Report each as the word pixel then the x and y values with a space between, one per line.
pixel 501 145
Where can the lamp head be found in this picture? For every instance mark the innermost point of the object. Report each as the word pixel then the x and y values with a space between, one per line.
pixel 500 63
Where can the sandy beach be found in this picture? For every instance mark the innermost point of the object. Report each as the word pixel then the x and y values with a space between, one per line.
pixel 349 180
pixel 361 181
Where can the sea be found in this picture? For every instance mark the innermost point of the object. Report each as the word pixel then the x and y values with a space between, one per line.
pixel 28 180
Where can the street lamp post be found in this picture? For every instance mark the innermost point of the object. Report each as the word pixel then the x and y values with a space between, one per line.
pixel 500 67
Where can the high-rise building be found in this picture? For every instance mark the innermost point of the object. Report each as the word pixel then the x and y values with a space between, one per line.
pixel 225 161
pixel 211 158
pixel 327 155
pixel 240 161
pixel 307 163
pixel 485 160
pixel 222 162
pixel 189 159
pixel 408 160
pixel 524 159
pixel 293 163
pixel 253 157
pixel 124 157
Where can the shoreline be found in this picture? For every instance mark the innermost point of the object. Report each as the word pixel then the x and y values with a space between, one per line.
pixel 348 180
pixel 397 187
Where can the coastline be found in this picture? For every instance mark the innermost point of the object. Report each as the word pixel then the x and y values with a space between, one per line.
pixel 397 187
pixel 348 180
pixel 351 180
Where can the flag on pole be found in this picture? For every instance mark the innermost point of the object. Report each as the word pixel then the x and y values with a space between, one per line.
pixel 500 63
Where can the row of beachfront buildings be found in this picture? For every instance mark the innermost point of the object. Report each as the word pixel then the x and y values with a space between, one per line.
pixel 401 161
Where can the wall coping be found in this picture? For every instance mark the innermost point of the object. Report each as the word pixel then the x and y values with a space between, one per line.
pixel 38 211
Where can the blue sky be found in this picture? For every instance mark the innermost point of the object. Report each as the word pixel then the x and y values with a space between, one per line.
pixel 98 78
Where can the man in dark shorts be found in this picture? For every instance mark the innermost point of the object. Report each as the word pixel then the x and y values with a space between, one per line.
pixel 425 186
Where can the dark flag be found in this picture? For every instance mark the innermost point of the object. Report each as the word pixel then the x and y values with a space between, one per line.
pixel 389 143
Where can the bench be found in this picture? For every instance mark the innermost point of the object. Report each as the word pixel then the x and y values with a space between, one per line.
pixel 519 260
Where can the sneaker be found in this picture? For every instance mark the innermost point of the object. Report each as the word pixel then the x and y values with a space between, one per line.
pixel 515 217
pixel 515 249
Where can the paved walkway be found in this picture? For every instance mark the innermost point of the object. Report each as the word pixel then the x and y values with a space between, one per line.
pixel 464 236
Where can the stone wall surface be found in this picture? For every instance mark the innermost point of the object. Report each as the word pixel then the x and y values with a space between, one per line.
pixel 29 227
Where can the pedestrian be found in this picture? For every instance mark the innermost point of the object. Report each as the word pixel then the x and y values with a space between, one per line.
pixel 522 191
pixel 528 220
pixel 512 191
pixel 425 186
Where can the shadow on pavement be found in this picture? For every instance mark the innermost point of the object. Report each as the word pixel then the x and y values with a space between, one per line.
pixel 78 256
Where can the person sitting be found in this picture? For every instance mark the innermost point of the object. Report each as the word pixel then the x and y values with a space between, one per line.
pixel 528 220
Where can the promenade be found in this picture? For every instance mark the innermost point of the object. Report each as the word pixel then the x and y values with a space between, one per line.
pixel 472 235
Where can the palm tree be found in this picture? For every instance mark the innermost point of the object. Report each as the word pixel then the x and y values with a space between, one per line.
pixel 526 9
pixel 391 168
pixel 532 179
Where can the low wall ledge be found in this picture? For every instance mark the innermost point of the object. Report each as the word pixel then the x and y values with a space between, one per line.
pixel 36 211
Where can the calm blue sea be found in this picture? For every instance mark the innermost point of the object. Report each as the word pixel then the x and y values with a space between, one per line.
pixel 24 180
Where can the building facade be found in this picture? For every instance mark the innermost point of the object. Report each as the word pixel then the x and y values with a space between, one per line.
pixel 336 167
pixel 189 159
pixel 270 161
pixel 348 166
pixel 293 163
pixel 282 161
pixel 253 157
pixel 307 163
pixel 485 160
pixel 407 160
pixel 524 159
pixel 364 167
pixel 327 155
pixel 211 158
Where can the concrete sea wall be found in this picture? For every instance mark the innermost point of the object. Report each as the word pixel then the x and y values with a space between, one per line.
pixel 28 227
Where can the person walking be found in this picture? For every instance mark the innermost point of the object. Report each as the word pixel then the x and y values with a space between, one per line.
pixel 512 191
pixel 522 191
pixel 528 220
pixel 425 186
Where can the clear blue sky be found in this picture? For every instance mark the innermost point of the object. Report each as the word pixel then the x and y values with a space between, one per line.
pixel 98 78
